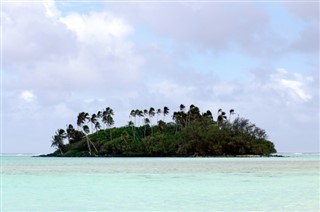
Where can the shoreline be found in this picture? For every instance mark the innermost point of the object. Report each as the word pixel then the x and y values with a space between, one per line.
pixel 191 156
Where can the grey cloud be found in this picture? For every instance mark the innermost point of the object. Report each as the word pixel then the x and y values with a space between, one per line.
pixel 50 57
pixel 207 24
pixel 308 40
pixel 309 13
pixel 83 76
pixel 221 26
pixel 216 26
pixel 308 10
pixel 29 37
pixel 290 122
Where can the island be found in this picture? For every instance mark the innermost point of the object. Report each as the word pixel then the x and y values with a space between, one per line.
pixel 148 134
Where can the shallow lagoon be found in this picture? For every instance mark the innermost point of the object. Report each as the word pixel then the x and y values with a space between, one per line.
pixel 161 184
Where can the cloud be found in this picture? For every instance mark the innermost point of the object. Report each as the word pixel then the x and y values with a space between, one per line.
pixel 66 53
pixel 308 11
pixel 97 27
pixel 27 96
pixel 51 9
pixel 129 56
pixel 63 111
pixel 30 37
pixel 202 24
pixel 293 87
pixel 308 40
pixel 284 103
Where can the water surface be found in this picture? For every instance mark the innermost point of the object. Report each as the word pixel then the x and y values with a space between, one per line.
pixel 160 184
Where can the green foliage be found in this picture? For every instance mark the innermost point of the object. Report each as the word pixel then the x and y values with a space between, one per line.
pixel 191 134
pixel 72 152
pixel 263 147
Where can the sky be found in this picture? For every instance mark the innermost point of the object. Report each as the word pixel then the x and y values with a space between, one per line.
pixel 60 58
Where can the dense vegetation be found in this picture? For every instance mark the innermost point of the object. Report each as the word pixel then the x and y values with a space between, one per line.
pixel 191 133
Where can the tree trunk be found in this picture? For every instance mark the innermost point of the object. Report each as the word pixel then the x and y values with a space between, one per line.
pixel 134 133
pixel 89 148
pixel 93 145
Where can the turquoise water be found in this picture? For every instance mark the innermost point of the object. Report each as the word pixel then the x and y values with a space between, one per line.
pixel 160 184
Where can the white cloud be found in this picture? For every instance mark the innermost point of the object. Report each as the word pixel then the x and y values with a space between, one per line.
pixel 105 53
pixel 27 96
pixel 69 52
pixel 51 9
pixel 80 62
pixel 30 38
pixel 295 89
pixel 97 27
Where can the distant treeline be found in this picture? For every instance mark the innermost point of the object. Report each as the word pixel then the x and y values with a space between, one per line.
pixel 191 133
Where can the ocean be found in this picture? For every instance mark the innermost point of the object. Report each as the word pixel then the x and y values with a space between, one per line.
pixel 161 184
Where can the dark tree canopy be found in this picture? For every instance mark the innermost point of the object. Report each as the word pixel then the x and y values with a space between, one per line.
pixel 191 133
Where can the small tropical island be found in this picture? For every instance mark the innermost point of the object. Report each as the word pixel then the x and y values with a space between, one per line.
pixel 148 134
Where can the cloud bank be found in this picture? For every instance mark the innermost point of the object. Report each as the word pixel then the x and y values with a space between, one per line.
pixel 57 63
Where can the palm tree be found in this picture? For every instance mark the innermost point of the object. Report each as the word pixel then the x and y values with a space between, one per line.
pixel 191 107
pixel 182 107
pixel 208 114
pixel 165 112
pixel 158 114
pixel 99 114
pixel 182 115
pixel 93 121
pixel 139 113
pixel 146 122
pixel 104 116
pixel 82 117
pixel 57 139
pixel 62 133
pixel 131 124
pixel 161 125
pixel 221 116
pixel 133 115
pixel 219 111
pixel 176 117
pixel 57 142
pixel 69 131
pixel 97 126
pixel 74 135
pixel 86 130
pixel 231 112
pixel 145 112
pixel 193 113
pixel 110 123
pixel 151 115
pixel 108 119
